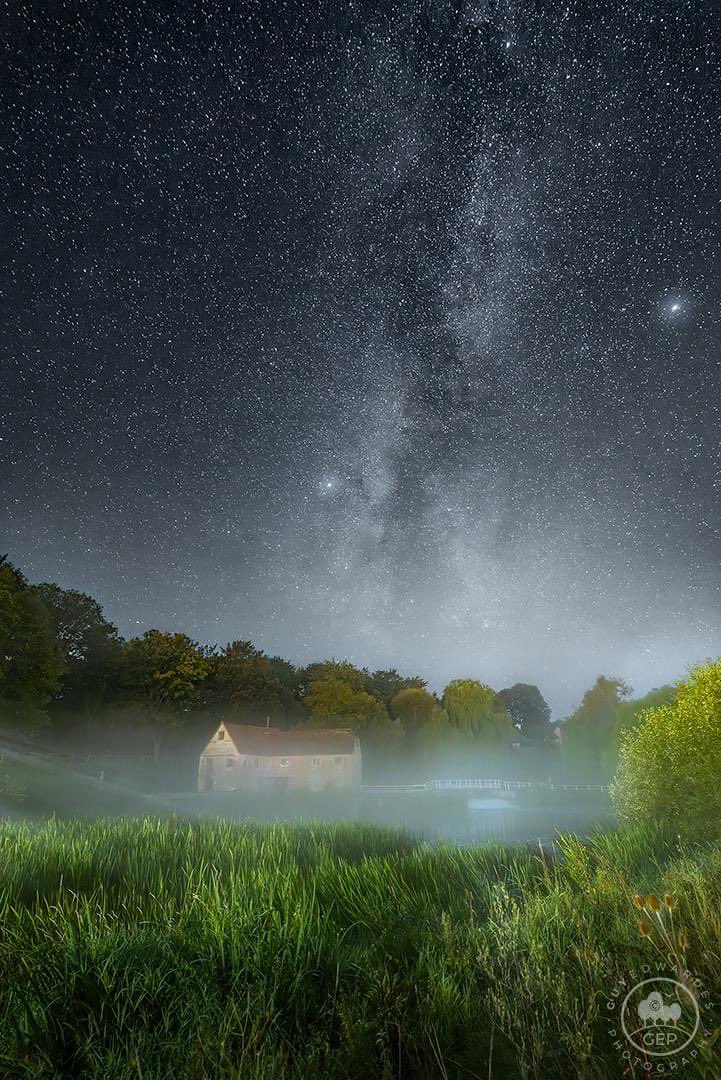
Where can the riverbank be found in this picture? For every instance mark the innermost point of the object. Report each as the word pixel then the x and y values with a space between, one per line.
pixel 157 948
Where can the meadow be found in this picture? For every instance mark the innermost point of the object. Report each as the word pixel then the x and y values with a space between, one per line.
pixel 159 948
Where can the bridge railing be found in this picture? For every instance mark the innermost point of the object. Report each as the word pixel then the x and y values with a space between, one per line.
pixel 479 785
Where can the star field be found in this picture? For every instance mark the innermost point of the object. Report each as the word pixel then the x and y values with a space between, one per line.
pixel 380 330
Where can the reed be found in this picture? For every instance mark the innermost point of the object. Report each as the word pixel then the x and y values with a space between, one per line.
pixel 159 948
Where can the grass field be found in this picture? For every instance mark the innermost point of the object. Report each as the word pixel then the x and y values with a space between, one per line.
pixel 158 949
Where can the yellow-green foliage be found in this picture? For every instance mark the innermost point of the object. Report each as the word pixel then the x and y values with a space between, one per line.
pixel 670 764
pixel 332 701
pixel 475 709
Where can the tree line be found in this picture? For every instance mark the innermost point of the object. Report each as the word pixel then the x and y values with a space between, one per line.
pixel 63 663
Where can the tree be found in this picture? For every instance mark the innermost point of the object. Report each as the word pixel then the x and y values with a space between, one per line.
pixel 332 701
pixel 589 734
pixel 90 646
pixel 528 710
pixel 670 763
pixel 414 708
pixel 166 673
pixel 243 676
pixel 629 713
pixel 474 709
pixel 285 673
pixel 343 670
pixel 30 660
pixel 439 734
pixel 385 684
pixel 291 684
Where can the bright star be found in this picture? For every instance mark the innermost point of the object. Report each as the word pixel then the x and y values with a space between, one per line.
pixel 675 307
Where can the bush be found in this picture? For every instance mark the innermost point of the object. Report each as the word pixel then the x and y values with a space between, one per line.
pixel 670 765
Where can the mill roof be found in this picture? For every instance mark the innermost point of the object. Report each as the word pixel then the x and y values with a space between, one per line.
pixel 274 742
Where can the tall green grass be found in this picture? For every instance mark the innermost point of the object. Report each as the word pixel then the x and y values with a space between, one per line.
pixel 159 949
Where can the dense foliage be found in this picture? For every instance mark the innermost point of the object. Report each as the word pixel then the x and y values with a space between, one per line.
pixel 159 949
pixel 30 657
pixel 670 762
pixel 592 734
pixel 475 709
pixel 528 710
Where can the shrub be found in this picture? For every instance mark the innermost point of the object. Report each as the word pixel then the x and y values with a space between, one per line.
pixel 670 765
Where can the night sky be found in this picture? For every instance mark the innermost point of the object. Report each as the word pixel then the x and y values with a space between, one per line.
pixel 380 330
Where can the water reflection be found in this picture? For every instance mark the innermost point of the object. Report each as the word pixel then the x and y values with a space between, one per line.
pixel 460 818
pixel 489 819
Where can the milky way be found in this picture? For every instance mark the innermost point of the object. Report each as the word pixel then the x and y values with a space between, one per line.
pixel 388 331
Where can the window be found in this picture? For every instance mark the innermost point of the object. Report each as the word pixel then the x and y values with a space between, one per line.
pixel 284 763
pixel 229 762
pixel 257 763
pixel 339 763
pixel 316 762
pixel 221 736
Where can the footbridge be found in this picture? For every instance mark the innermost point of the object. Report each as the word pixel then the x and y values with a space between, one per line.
pixel 493 785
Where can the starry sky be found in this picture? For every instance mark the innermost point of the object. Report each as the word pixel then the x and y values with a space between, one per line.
pixel 377 329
